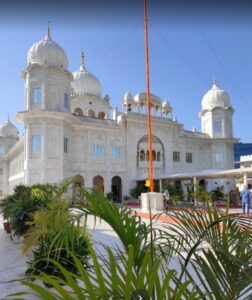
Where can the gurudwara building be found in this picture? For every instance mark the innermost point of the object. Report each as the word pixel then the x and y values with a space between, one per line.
pixel 71 130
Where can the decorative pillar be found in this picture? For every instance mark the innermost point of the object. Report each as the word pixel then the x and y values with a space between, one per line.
pixel 245 179
pixel 195 190
pixel 160 185
pixel 6 167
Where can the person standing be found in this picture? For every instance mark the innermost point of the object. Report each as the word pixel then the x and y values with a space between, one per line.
pixel 166 199
pixel 246 196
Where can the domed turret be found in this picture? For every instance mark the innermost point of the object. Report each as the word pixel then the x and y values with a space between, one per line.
pixel 166 107
pixel 8 130
pixel 47 52
pixel 216 113
pixel 128 101
pixel 214 98
pixel 85 82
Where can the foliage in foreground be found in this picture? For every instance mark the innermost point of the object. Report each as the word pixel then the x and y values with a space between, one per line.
pixel 20 207
pixel 55 233
pixel 211 258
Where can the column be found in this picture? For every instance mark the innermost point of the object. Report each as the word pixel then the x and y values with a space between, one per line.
pixel 6 166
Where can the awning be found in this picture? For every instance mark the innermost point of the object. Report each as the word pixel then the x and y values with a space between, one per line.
pixel 206 174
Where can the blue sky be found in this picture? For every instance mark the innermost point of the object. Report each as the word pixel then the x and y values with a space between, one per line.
pixel 189 46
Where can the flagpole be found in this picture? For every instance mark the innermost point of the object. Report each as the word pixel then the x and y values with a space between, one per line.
pixel 148 96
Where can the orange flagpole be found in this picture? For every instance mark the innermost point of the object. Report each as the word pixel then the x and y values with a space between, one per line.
pixel 148 96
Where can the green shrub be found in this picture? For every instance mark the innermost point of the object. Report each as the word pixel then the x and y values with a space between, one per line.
pixel 135 192
pixel 59 248
pixel 20 207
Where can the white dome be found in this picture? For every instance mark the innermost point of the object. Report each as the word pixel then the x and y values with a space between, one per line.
pixel 141 98
pixel 166 104
pixel 127 99
pixel 85 82
pixel 215 97
pixel 127 96
pixel 47 52
pixel 8 130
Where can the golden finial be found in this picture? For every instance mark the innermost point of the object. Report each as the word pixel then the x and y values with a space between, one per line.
pixel 82 57
pixel 214 81
pixel 48 29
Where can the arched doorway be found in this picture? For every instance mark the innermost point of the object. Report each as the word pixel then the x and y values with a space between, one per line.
pixel 101 115
pixel 98 184
pixel 91 113
pixel 78 111
pixel 116 189
pixel 78 184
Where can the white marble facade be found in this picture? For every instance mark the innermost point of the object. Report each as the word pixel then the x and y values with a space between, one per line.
pixel 70 130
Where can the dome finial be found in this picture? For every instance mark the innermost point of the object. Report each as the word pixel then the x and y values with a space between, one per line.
pixel 214 80
pixel 48 29
pixel 82 57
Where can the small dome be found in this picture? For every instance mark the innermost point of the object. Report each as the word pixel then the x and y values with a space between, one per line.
pixel 127 96
pixel 166 107
pixel 166 104
pixel 8 130
pixel 215 97
pixel 85 82
pixel 47 52
pixel 127 99
pixel 141 98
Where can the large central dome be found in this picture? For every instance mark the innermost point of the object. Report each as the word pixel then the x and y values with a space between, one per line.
pixel 47 52
pixel 85 82
pixel 214 98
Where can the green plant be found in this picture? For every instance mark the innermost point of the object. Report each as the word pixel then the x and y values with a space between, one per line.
pixel 135 192
pixel 126 198
pixel 115 278
pixel 131 230
pixel 109 196
pixel 54 247
pixel 20 207
pixel 211 248
pixel 217 195
pixel 55 232
pixel 176 193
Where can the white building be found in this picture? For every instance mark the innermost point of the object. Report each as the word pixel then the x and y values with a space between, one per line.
pixel 68 131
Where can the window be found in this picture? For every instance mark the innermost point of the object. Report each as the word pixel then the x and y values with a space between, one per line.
pixel 98 151
pixel 189 157
pixel 1 171
pixel 65 100
pixel 65 145
pixel 176 156
pixel 217 127
pixel 116 152
pixel 1 193
pixel 219 157
pixel 36 143
pixel 1 150
pixel 37 96
pixel 158 156
pixel 142 155
pixel 154 157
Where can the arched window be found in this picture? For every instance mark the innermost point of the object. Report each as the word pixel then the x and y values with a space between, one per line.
pixel 78 111
pixel 147 155
pixel 98 184
pixel 101 115
pixel 158 156
pixel 154 157
pixel 142 155
pixel 91 113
